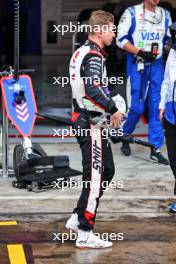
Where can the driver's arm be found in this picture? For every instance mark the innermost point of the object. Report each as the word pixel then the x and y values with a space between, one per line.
pixel 92 71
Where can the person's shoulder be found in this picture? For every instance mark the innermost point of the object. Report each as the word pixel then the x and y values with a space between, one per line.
pixel 95 50
pixel 135 8
pixel 93 55
pixel 80 52
pixel 85 48
pixel 172 53
pixel 139 5
pixel 173 49
pixel 164 10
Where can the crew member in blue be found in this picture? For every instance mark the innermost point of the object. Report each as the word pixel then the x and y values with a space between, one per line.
pixel 168 108
pixel 143 32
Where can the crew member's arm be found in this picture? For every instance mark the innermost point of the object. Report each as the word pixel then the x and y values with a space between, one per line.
pixel 123 34
pixel 167 38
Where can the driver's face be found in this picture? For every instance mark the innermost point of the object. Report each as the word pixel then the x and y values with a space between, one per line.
pixel 108 34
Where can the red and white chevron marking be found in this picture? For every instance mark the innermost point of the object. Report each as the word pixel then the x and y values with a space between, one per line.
pixel 22 112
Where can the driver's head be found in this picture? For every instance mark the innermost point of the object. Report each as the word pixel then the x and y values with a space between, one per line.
pixel 102 26
pixel 153 3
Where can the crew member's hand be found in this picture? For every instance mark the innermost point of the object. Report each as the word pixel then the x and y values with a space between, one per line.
pixel 147 56
pixel 161 114
pixel 116 119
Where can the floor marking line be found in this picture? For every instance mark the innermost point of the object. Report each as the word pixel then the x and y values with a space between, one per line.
pixel 8 223
pixel 16 254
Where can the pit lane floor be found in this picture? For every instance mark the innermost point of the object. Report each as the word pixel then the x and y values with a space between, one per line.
pixel 144 241
pixel 139 210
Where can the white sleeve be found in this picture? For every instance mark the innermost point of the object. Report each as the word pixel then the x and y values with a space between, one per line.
pixel 165 85
pixel 123 29
pixel 168 34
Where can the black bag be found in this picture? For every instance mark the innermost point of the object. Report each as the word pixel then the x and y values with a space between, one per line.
pixel 40 171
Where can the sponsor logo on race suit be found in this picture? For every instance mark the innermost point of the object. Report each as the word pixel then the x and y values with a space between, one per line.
pixel 96 157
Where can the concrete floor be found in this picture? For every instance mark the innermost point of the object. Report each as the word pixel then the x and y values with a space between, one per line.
pixel 139 186
pixel 139 210
pixel 144 242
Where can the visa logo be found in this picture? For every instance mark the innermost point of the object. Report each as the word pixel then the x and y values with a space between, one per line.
pixel 150 36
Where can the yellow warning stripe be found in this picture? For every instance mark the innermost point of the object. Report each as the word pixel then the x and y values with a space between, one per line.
pixel 16 254
pixel 10 223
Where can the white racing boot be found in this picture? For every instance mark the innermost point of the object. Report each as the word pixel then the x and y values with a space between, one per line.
pixel 87 239
pixel 73 223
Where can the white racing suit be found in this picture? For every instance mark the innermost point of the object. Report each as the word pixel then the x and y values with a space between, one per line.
pixel 86 72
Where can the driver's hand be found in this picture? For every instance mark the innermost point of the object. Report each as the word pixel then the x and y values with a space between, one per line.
pixel 116 119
